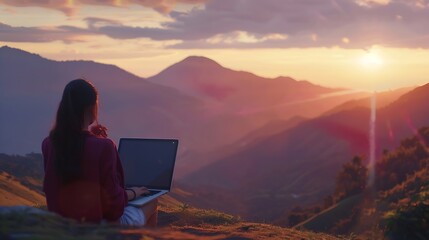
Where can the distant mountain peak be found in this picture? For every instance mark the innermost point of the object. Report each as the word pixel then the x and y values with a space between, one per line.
pixel 6 47
pixel 16 52
pixel 200 60
pixel 11 49
pixel 284 78
pixel 190 64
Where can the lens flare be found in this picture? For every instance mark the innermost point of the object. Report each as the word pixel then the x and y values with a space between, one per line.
pixel 372 144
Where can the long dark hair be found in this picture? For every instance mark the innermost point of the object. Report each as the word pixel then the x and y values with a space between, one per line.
pixel 67 136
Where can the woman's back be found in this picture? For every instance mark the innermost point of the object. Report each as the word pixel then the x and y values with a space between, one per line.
pixel 97 193
pixel 84 178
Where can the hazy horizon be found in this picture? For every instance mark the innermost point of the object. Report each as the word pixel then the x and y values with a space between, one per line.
pixel 358 44
pixel 234 69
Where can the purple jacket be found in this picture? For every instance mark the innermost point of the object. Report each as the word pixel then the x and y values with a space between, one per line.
pixel 98 194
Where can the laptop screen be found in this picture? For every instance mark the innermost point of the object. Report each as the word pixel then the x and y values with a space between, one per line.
pixel 148 162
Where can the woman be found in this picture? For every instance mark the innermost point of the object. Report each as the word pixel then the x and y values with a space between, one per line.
pixel 84 179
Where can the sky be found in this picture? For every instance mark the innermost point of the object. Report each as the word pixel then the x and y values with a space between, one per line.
pixel 361 44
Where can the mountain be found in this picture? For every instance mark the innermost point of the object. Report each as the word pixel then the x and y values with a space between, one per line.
pixel 237 103
pixel 246 94
pixel 31 87
pixel 163 106
pixel 383 99
pixel 205 158
pixel 236 90
pixel 298 166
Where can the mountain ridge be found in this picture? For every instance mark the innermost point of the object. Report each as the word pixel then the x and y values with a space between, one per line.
pixel 304 174
pixel 205 78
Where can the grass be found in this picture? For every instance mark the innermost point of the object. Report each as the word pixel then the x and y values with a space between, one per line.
pixel 327 218
pixel 189 216
pixel 176 221
pixel 13 192
pixel 23 225
pixel 190 224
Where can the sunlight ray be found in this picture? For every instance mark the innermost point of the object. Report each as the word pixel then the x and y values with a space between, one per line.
pixel 372 142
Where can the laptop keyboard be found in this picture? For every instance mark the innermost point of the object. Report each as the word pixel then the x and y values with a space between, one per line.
pixel 150 193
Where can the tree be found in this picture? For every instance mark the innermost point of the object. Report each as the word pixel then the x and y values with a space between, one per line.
pixel 410 222
pixel 352 179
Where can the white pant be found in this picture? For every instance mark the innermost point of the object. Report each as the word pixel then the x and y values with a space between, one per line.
pixel 132 216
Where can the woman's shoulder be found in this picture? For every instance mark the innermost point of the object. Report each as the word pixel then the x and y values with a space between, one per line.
pixel 100 141
pixel 102 147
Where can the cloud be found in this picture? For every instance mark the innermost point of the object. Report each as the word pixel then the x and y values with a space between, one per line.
pixel 372 3
pixel 272 24
pixel 243 37
pixel 70 7
pixel 95 22
pixel 66 34
pixel 304 23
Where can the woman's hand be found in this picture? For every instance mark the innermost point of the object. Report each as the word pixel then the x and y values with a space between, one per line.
pixel 138 190
pixel 99 130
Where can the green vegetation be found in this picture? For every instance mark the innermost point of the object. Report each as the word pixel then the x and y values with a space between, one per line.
pixel 351 180
pixel 410 222
pixel 340 210
pixel 397 207
pixel 410 157
pixel 404 191
pixel 190 216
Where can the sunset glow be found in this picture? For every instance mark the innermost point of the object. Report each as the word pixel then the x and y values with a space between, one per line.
pixel 144 37
pixel 372 60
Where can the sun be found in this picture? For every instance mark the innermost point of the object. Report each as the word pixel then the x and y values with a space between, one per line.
pixel 371 60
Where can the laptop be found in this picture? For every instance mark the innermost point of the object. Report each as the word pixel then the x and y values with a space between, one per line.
pixel 148 163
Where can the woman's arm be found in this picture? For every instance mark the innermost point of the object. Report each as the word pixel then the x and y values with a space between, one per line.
pixel 113 195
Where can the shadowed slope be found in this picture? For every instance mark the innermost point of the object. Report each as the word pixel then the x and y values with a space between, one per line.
pixel 299 165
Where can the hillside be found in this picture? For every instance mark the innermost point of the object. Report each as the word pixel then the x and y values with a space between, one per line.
pixel 327 220
pixel 176 220
pixel 205 158
pixel 13 193
pixel 298 166
pixel 398 204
